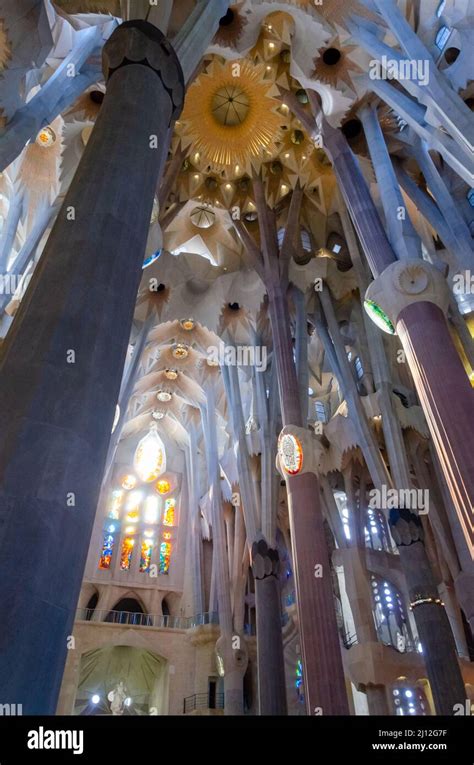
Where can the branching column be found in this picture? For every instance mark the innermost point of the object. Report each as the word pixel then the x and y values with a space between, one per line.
pixel 322 664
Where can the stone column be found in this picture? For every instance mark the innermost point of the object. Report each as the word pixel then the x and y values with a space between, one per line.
pixel 414 298
pixel 321 655
pixel 271 671
pixel 434 630
pixel 62 362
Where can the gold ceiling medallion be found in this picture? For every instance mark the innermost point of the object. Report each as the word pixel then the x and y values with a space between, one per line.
pixel 230 105
pixel 231 118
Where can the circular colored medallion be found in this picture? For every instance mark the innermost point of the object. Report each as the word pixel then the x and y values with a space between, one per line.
pixel 291 454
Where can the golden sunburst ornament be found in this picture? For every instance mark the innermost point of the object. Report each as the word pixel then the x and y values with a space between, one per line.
pixel 231 117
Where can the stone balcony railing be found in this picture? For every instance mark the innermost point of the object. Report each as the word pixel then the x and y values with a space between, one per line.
pixel 158 621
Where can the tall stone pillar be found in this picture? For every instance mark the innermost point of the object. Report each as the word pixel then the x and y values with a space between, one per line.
pixel 62 363
pixel 323 672
pixel 271 671
pixel 434 630
pixel 413 297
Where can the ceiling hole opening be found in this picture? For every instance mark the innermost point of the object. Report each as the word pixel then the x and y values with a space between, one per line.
pixel 226 20
pixel 96 96
pixel 331 56
pixel 352 129
pixel 234 306
pixel 451 54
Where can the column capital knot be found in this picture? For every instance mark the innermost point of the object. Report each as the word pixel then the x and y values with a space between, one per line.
pixel 405 527
pixel 138 42
pixel 407 281
pixel 299 451
pixel 265 560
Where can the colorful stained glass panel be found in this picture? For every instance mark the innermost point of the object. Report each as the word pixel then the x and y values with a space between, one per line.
pixel 145 557
pixel 107 550
pixel 168 515
pixel 126 553
pixel 165 556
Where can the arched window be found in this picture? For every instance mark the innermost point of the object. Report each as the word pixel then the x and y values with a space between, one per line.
pixel 141 521
pixel 390 615
pixel 440 8
pixel 341 502
pixel 91 606
pixel 409 700
pixel 358 368
pixel 126 611
pixel 470 197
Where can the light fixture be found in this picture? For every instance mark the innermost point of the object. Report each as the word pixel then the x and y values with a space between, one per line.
pixel 150 456
pixel 187 324
pixel 157 415
pixel 130 530
pixel 164 396
pixel 46 137
pixel 127 701
pixel 171 374
pixel 111 528
pixel 95 698
pixel 379 317
pixel 128 482
pixel 180 351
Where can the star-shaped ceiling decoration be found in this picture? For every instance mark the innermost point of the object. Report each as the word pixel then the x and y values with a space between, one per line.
pixel 231 119
pixel 333 65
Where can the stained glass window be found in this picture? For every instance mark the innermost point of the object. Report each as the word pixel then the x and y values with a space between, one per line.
pixel 133 506
pixel 126 553
pixel 145 557
pixel 299 680
pixel 165 556
pixel 409 700
pixel 151 509
pixel 107 549
pixel 150 456
pixel 115 504
pixel 168 517
pixel 162 486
